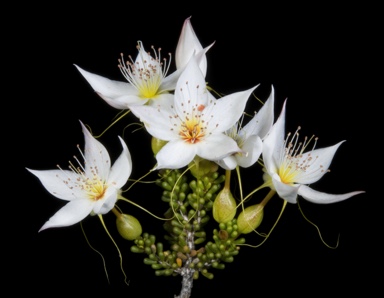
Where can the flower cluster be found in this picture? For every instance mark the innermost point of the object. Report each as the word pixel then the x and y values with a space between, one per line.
pixel 199 139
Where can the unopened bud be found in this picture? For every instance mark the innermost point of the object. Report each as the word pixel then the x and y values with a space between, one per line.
pixel 250 218
pixel 128 226
pixel 224 206
pixel 202 167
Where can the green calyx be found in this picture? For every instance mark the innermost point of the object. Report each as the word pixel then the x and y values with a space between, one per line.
pixel 224 206
pixel 250 218
pixel 128 226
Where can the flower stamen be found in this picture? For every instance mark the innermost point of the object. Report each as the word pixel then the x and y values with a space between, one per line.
pixel 147 73
pixel 293 164
pixel 95 187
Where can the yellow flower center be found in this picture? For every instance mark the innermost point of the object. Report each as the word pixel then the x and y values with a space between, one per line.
pixel 95 188
pixel 148 88
pixel 192 121
pixel 192 130
pixel 89 183
pixel 293 164
pixel 288 172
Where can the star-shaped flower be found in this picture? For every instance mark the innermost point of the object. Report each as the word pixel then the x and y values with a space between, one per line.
pixel 146 81
pixel 289 170
pixel 195 123
pixel 91 188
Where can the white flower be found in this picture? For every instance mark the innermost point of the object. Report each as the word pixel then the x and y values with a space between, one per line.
pixel 147 81
pixel 189 45
pixel 92 188
pixel 288 170
pixel 250 137
pixel 195 123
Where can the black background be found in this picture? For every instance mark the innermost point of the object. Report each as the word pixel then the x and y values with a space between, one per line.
pixel 312 56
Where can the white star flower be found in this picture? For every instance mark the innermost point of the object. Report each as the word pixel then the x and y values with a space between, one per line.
pixel 89 189
pixel 195 123
pixel 146 81
pixel 288 170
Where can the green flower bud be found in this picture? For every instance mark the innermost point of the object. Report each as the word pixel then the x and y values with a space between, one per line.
pixel 128 226
pixel 250 218
pixel 157 144
pixel 202 167
pixel 196 275
pixel 224 206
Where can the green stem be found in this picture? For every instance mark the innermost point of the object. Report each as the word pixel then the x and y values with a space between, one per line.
pixel 267 197
pixel 116 212
pixel 227 179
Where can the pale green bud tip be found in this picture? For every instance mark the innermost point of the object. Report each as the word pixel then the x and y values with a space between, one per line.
pixel 128 226
pixel 250 218
pixel 224 206
pixel 157 144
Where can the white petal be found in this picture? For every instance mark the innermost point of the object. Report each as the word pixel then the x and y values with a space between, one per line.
pixel 227 110
pixel 190 88
pixel 215 147
pixel 285 191
pixel 201 59
pixel 108 201
pixel 106 87
pixel 228 163
pixel 122 168
pixel 123 102
pixel 273 145
pixel 251 151
pixel 164 100
pixel 321 159
pixel 262 122
pixel 73 212
pixel 169 82
pixel 97 160
pixel 314 196
pixel 144 59
pixel 156 121
pixel 187 45
pixel 175 155
pixel 60 183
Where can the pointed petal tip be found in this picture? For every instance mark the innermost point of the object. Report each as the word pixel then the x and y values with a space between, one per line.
pixel 31 171
pixel 318 197
pixel 79 68
pixel 44 227
pixel 83 127
pixel 359 192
